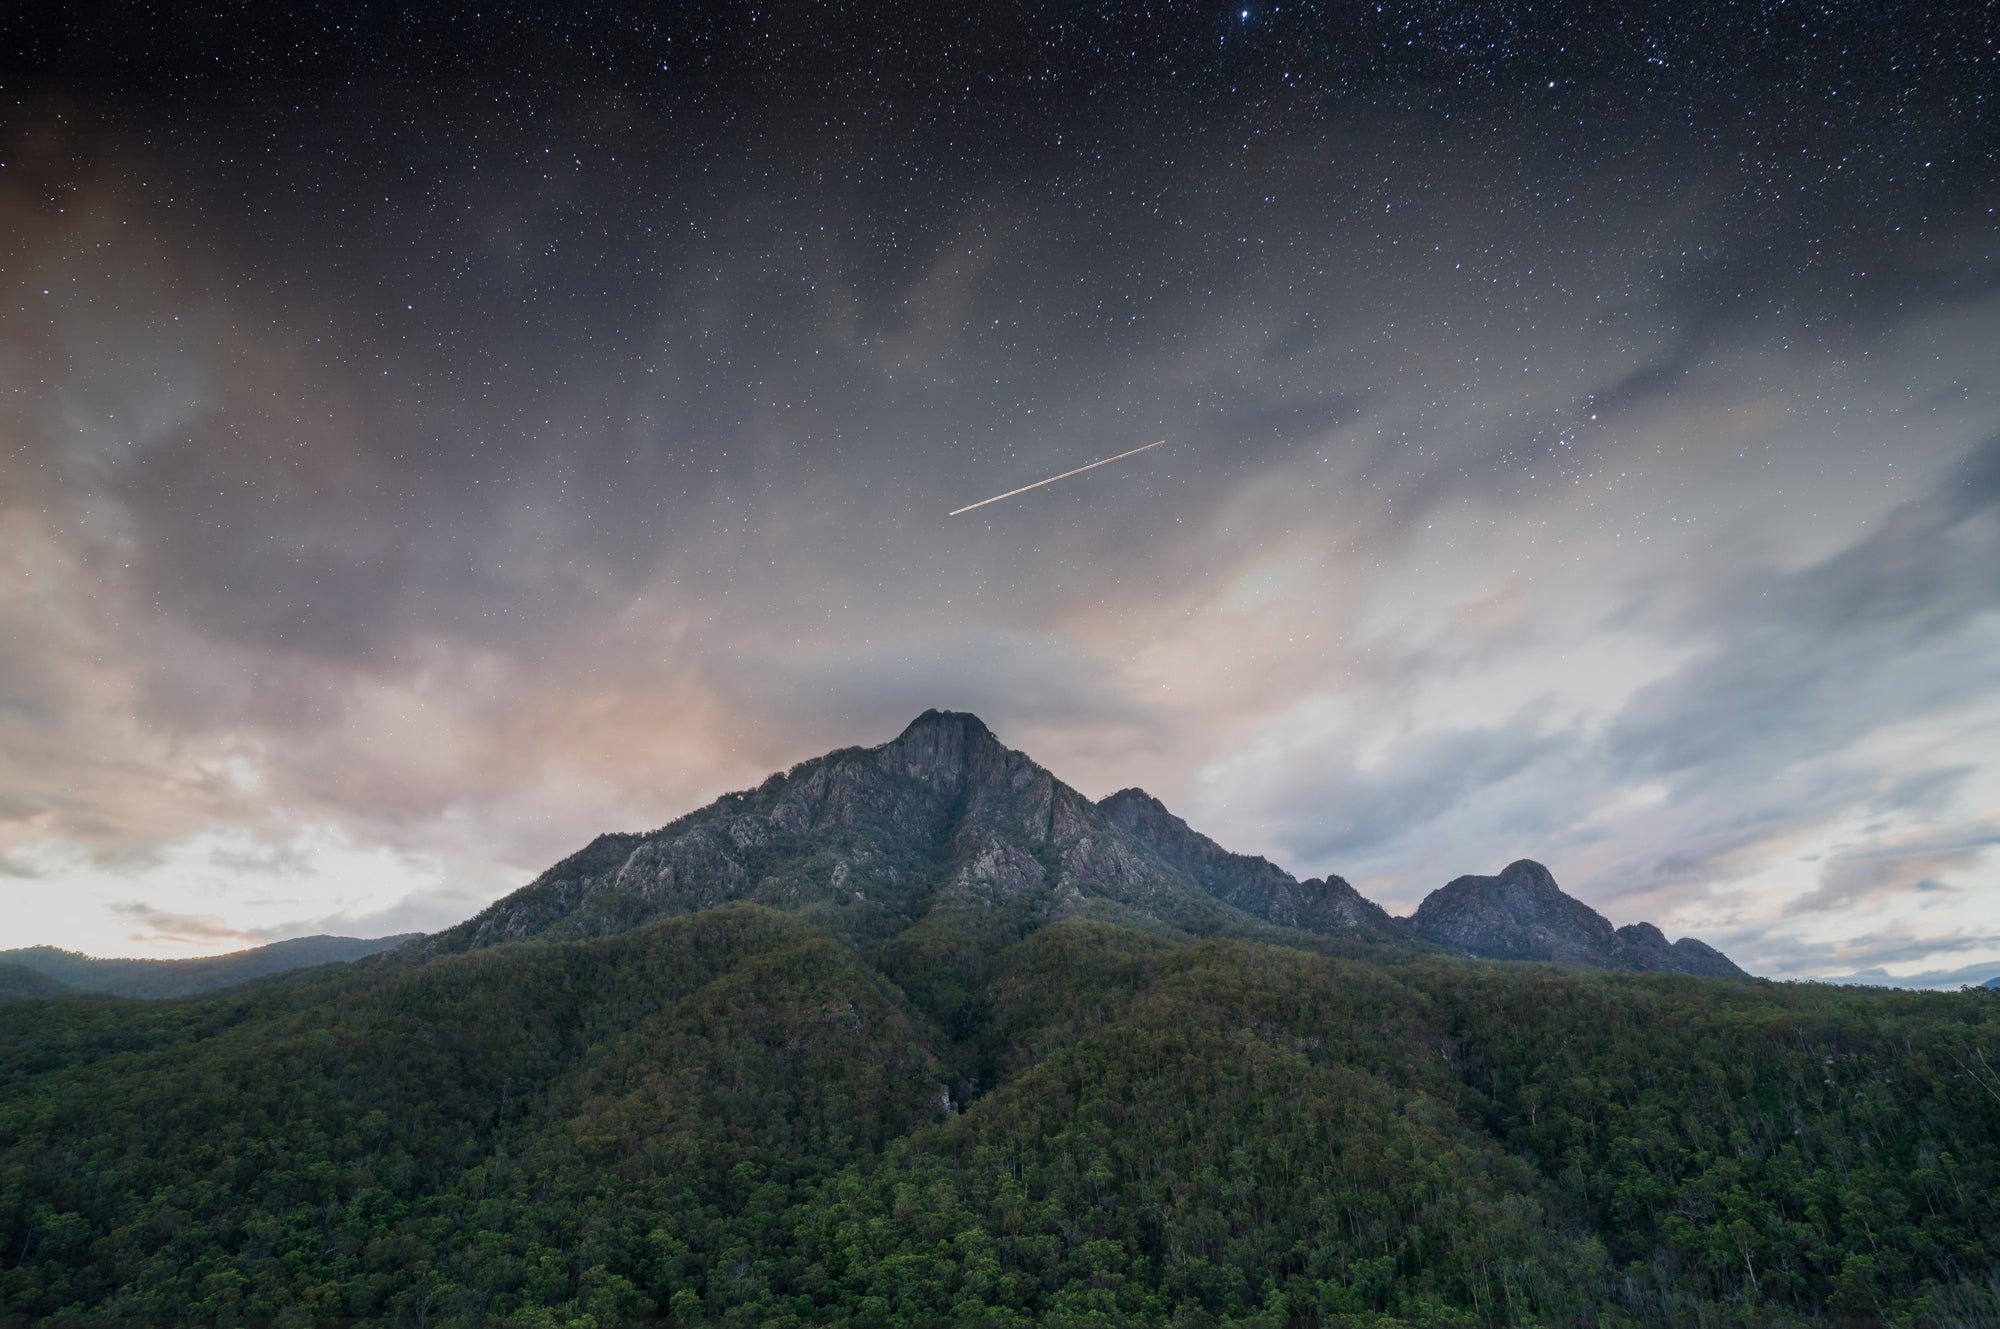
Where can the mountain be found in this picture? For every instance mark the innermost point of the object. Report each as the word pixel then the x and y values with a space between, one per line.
pixel 20 983
pixel 1255 885
pixel 941 825
pixel 733 1117
pixel 1523 915
pixel 179 978
pixel 917 1034
pixel 944 828
pixel 1643 946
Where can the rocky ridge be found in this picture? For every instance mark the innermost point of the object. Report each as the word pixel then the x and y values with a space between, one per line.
pixel 1255 885
pixel 1523 915
pixel 943 820
pixel 945 825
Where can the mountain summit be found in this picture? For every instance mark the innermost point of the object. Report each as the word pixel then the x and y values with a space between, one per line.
pixel 946 829
pixel 1523 915
pixel 943 821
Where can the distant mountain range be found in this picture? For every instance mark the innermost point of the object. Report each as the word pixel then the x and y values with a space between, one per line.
pixel 1972 975
pixel 947 825
pixel 20 983
pixel 42 971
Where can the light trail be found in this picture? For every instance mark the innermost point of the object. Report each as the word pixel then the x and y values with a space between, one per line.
pixel 1051 480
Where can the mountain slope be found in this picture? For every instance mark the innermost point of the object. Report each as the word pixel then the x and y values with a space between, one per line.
pixel 20 983
pixel 1257 886
pixel 734 1117
pixel 943 832
pixel 179 978
pixel 1523 915
pixel 942 822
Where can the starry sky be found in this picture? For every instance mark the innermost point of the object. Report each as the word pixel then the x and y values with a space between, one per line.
pixel 429 438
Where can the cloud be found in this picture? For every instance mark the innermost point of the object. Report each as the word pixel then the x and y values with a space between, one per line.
pixel 1011 679
pixel 1516 506
pixel 158 925
pixel 268 860
pixel 1818 721
pixel 1345 811
pixel 1901 864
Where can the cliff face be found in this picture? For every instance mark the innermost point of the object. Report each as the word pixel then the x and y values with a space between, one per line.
pixel 1523 915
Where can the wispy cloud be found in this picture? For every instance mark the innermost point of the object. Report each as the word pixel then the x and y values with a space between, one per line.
pixel 201 930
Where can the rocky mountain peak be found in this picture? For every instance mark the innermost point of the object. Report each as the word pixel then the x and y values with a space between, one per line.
pixel 944 748
pixel 1527 869
pixel 1521 914
pixel 944 820
pixel 945 824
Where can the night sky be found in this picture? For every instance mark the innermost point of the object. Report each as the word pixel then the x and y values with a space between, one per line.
pixel 429 439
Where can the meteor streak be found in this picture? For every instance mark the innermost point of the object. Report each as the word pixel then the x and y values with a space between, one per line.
pixel 1051 480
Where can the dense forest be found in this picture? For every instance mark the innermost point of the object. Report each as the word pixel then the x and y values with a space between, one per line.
pixel 736 1117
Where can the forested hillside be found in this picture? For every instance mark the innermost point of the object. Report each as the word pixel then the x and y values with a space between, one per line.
pixel 18 982
pixel 122 977
pixel 736 1116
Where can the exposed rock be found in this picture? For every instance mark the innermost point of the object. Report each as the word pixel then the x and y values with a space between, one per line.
pixel 1523 915
pixel 943 816
pixel 1257 886
pixel 944 821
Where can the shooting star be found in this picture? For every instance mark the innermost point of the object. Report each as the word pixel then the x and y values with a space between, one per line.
pixel 1051 480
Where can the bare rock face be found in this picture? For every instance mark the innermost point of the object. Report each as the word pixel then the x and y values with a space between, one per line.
pixel 1519 915
pixel 1257 886
pixel 1523 915
pixel 944 822
pixel 944 817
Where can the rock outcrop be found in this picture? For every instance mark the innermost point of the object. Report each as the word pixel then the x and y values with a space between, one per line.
pixel 1523 915
pixel 1257 886
pixel 945 823
pixel 944 818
